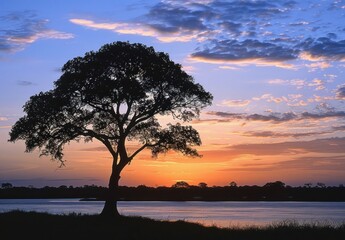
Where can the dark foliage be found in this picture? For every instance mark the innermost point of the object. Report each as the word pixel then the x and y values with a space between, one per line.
pixel 191 193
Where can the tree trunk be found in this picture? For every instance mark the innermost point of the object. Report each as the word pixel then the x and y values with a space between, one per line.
pixel 110 205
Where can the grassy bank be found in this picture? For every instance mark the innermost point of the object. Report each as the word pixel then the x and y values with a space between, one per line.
pixel 33 225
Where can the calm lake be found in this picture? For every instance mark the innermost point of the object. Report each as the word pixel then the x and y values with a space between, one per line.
pixel 221 214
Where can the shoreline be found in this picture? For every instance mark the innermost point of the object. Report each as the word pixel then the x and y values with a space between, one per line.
pixel 193 193
pixel 19 224
pixel 91 199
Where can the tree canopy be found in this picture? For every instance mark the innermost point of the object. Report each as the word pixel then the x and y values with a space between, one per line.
pixel 114 92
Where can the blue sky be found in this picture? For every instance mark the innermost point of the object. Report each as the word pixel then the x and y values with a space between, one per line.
pixel 275 68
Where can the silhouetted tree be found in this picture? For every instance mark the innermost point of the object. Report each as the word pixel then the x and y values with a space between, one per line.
pixel 181 184
pixel 276 184
pixel 6 185
pixel 233 184
pixel 321 185
pixel 114 95
pixel 202 185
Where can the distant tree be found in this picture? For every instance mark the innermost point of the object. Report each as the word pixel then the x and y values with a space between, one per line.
pixel 321 185
pixel 202 185
pixel 181 184
pixel 277 184
pixel 233 184
pixel 114 95
pixel 308 185
pixel 6 185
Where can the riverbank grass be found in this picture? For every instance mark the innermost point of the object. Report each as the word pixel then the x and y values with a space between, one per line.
pixel 35 225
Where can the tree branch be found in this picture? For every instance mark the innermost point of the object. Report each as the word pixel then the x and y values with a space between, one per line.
pixel 138 151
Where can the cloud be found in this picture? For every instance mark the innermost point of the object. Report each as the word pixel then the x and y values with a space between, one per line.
pixel 329 163
pixel 236 32
pixel 4 119
pixel 167 17
pixel 317 98
pixel 92 24
pixel 236 103
pixel 258 52
pixel 319 84
pixel 277 81
pixel 225 114
pixel 271 134
pixel 23 28
pixel 290 100
pixel 228 67
pixel 298 24
pixel 274 118
pixel 315 163
pixel 248 10
pixel 340 92
pixel 339 128
pixel 246 52
pixel 25 83
pixel 328 145
pixel 277 118
pixel 318 65
pixel 269 98
pixel 321 49
pixel 96 149
pixel 316 83
pixel 294 82
pixel 139 29
pixel 229 17
pixel 329 114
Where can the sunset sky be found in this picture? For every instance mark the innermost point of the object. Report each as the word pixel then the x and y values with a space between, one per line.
pixel 275 69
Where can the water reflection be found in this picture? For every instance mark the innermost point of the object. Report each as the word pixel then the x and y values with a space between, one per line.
pixel 222 214
pixel 225 214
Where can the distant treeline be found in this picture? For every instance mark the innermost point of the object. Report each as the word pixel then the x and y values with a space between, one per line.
pixel 275 191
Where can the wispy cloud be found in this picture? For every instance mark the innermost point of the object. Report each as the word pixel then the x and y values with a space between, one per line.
pixel 277 118
pixel 235 103
pixel 25 83
pixel 316 83
pixel 274 134
pixel 22 28
pixel 274 118
pixel 138 29
pixel 290 100
pixel 315 163
pixel 100 25
pixel 339 128
pixel 318 65
pixel 4 119
pixel 340 92
pixel 327 145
